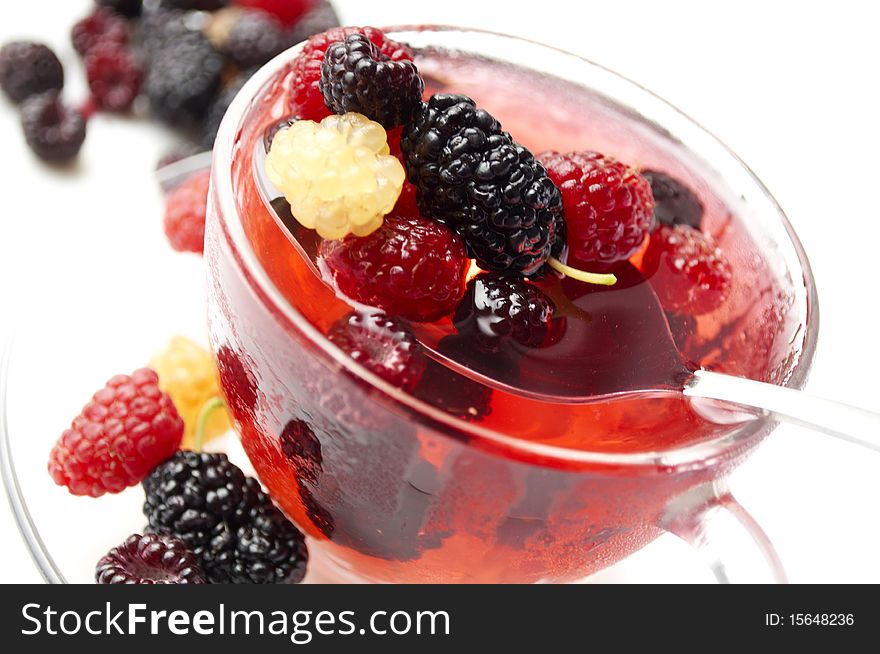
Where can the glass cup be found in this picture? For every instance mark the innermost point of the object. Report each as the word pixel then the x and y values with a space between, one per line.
pixel 392 489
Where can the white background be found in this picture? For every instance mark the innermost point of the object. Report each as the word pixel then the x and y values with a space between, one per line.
pixel 790 86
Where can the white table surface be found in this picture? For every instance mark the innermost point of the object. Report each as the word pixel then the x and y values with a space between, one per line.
pixel 791 87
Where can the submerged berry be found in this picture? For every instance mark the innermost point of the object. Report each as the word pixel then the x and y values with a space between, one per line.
pixel 607 205
pixel 356 76
pixel 411 267
pixel 384 345
pixel 28 69
pixel 149 559
pixel 674 203
pixel 688 271
pixel 337 175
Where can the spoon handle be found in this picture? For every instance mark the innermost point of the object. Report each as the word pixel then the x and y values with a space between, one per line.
pixel 788 405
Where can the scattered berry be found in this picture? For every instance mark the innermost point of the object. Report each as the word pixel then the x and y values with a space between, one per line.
pixel 674 203
pixel 384 345
pixel 160 28
pixel 102 26
pixel 183 79
pixel 150 559
pixel 287 11
pixel 127 428
pixel 254 38
pixel 238 383
pixel 319 18
pixel 188 374
pixel 337 175
pixel 195 5
pixel 687 270
pixel 127 8
pixel 607 206
pixel 28 69
pixel 232 527
pixel 476 179
pixel 356 76
pixel 185 210
pixel 114 76
pixel 54 131
pixel 497 308
pixel 411 267
pixel 307 96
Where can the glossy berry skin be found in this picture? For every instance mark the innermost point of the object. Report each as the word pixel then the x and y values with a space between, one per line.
pixel 185 209
pixel 254 38
pixel 224 517
pixel 127 428
pixel 28 69
pixel 308 99
pixel 356 76
pixel 114 76
pixel 149 559
pixel 54 131
pixel 475 178
pixel 498 308
pixel 384 345
pixel 607 205
pixel 410 267
pixel 102 26
pixel 287 11
pixel 688 271
pixel 674 203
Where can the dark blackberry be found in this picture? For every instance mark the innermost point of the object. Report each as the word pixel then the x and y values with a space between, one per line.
pixel 320 18
pixel 150 559
pixel 184 79
pixel 255 37
pixel 232 527
pixel 498 308
pixel 475 178
pixel 450 391
pixel 102 26
pixel 238 383
pixel 674 203
pixel 356 76
pixel 128 8
pixel 217 110
pixel 114 76
pixel 53 130
pixel 27 69
pixel 159 27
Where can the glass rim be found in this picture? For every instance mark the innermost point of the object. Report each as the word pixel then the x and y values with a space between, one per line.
pixel 699 454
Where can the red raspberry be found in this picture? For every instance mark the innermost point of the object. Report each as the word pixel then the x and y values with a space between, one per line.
pixel 114 76
pixel 410 267
pixel 384 345
pixel 307 95
pixel 238 383
pixel 102 26
pixel 128 428
pixel 287 11
pixel 185 210
pixel 607 205
pixel 687 270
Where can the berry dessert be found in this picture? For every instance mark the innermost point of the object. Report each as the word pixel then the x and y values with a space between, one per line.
pixel 439 271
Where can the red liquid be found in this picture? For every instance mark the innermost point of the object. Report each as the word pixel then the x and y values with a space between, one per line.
pixel 399 498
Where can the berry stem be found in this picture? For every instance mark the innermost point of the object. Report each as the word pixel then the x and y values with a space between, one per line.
pixel 582 275
pixel 202 421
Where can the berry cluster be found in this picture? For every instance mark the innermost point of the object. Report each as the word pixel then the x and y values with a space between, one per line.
pixel 187 57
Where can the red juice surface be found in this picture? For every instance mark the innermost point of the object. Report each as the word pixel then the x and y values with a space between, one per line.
pixel 397 501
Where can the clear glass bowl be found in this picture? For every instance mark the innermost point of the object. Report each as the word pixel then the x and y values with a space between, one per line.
pixel 62 351
pixel 398 491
